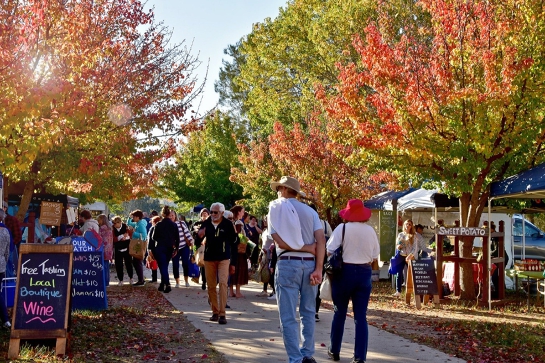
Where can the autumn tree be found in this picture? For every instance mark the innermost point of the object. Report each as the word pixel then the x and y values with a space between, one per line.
pixel 200 170
pixel 453 96
pixel 272 74
pixel 255 171
pixel 68 70
pixel 283 58
pixel 323 167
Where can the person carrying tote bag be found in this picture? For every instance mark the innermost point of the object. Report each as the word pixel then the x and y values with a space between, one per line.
pixel 138 244
pixel 353 282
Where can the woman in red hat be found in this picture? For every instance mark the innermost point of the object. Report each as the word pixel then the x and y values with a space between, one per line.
pixel 360 248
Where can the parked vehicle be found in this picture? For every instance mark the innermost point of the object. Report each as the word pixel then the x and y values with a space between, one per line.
pixel 534 239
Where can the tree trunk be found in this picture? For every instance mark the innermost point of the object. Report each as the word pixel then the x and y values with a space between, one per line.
pixel 471 207
pixel 25 200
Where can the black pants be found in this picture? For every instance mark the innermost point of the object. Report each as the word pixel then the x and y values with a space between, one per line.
pixel 254 258
pixel 138 267
pixel 120 258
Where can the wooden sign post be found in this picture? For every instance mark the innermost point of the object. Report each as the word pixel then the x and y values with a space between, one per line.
pixel 51 213
pixel 422 280
pixel 42 299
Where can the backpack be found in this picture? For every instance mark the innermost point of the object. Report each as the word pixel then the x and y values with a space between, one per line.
pixel 93 238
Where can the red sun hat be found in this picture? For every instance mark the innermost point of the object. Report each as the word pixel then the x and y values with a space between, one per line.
pixel 355 211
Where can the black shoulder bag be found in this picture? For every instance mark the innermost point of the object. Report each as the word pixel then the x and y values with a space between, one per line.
pixel 334 263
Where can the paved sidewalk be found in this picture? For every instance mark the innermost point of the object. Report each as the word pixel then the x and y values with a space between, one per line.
pixel 252 333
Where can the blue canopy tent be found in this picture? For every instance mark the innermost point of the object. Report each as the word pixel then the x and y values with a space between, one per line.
pixel 529 184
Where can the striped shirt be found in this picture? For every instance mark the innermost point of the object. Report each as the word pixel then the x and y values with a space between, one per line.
pixel 185 235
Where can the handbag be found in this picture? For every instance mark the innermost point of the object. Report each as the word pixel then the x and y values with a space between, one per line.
pixel 325 289
pixel 334 263
pixel 199 256
pixel 151 263
pixel 137 248
pixel 194 271
pixel 255 275
pixel 396 264
pixel 265 274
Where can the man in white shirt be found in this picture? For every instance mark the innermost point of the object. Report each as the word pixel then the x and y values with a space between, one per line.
pixel 300 245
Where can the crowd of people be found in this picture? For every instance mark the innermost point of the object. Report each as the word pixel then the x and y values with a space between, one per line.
pixel 291 245
pixel 286 251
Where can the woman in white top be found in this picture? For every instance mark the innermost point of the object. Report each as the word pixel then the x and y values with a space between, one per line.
pixel 409 244
pixel 360 248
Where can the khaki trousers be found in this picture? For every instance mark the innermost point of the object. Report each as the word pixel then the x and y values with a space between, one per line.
pixel 215 270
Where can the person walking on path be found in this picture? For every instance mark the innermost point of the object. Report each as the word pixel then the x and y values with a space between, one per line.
pixel 166 240
pixel 204 215
pixel 121 249
pixel 184 250
pixel 300 243
pixel 137 221
pixel 220 238
pixel 360 249
pixel 151 249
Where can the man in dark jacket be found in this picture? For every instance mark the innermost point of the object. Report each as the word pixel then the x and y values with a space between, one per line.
pixel 220 237
pixel 166 239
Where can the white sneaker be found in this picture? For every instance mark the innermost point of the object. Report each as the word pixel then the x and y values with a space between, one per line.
pixel 397 294
pixel 272 297
pixel 177 285
pixel 263 294
pixel 7 324
pixel 187 284
pixel 120 283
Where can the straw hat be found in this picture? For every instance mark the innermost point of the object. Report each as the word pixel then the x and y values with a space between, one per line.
pixel 288 182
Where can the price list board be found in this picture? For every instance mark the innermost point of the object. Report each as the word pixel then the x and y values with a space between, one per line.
pixel 424 277
pixel 88 277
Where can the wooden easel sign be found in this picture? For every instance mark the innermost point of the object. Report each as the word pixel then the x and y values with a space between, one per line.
pixel 42 296
pixel 422 280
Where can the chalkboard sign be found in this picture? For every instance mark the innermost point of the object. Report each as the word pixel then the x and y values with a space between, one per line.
pixel 88 278
pixel 387 234
pixel 51 213
pixel 42 299
pixel 43 288
pixel 424 277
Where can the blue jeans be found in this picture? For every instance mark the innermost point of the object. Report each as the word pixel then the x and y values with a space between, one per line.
pixel 183 255
pixel 292 279
pixel 400 278
pixel 163 256
pixel 353 283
